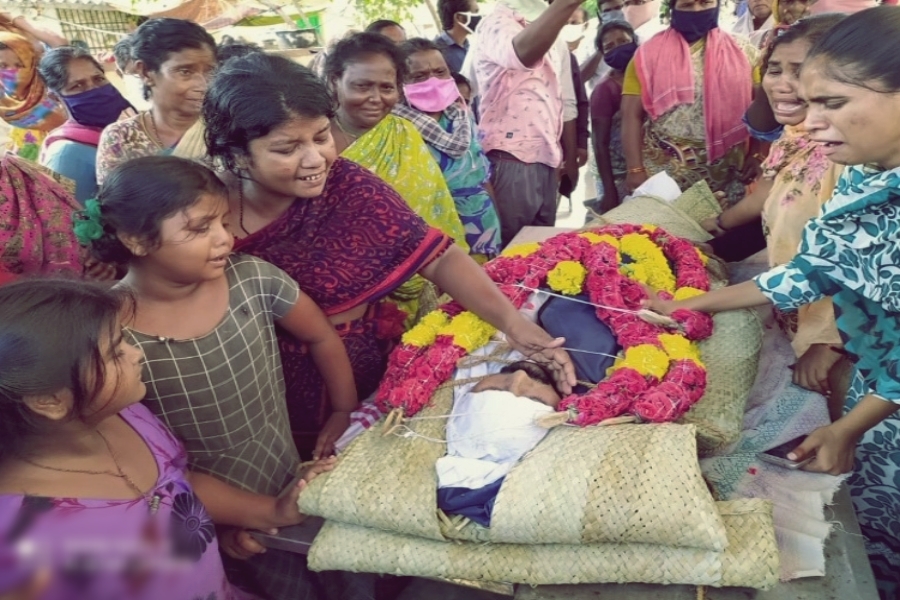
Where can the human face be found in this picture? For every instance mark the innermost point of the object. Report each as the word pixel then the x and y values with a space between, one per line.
pixel 83 76
pixel 791 11
pixel 181 82
pixel 10 60
pixel 425 65
pixel 695 5
pixel 293 160
pixel 760 9
pixel 781 82
pixel 465 91
pixel 396 34
pixel 194 243
pixel 613 39
pixel 461 17
pixel 611 6
pixel 856 124
pixel 122 385
pixel 367 91
pixel 520 384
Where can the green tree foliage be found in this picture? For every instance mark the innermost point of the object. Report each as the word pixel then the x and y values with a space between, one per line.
pixel 396 10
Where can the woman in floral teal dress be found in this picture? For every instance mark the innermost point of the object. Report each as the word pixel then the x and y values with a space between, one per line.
pixel 851 252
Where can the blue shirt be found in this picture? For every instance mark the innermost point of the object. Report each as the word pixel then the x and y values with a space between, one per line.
pixel 453 53
pixel 77 162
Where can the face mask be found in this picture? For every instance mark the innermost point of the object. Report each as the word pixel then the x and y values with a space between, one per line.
pixel 619 57
pixel 97 107
pixel 134 88
pixel 693 25
pixel 9 79
pixel 432 95
pixel 471 22
pixel 613 15
pixel 529 9
pixel 571 33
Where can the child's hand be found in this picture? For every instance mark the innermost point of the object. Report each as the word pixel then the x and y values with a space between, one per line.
pixel 334 428
pixel 239 544
pixel 834 448
pixel 286 510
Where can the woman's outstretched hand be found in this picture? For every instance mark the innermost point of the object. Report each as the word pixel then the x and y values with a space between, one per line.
pixel 536 344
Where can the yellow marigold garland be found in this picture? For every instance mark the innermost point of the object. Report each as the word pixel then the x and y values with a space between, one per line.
pixel 567 277
pixel 684 293
pixel 644 252
pixel 646 359
pixel 469 331
pixel 426 331
pixel 521 250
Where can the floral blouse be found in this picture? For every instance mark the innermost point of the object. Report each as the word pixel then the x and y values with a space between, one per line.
pixel 123 141
pixel 163 546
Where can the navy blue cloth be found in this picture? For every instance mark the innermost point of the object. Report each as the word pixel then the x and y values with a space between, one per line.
pixel 476 504
pixel 578 323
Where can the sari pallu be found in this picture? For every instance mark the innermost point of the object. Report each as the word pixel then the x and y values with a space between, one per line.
pixel 353 245
pixel 36 235
pixel 24 103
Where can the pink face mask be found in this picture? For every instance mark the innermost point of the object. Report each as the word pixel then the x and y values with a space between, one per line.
pixel 432 95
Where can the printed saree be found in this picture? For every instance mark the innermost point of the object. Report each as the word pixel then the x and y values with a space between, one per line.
pixel 353 245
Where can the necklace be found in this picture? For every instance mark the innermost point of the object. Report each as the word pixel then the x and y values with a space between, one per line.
pixel 152 501
pixel 241 209
pixel 353 137
pixel 158 139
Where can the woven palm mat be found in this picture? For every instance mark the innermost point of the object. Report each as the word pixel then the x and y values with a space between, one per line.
pixel 751 559
pixel 624 483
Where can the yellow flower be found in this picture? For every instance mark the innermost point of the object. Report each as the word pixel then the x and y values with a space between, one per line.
pixel 687 292
pixel 649 228
pixel 646 359
pixel 567 277
pixel 655 268
pixel 469 331
pixel 520 250
pixel 703 257
pixel 595 239
pixel 679 347
pixel 427 329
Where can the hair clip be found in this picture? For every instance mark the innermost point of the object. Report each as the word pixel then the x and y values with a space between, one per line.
pixel 89 226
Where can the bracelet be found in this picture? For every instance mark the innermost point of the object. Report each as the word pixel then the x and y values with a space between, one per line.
pixel 719 223
pixel 637 170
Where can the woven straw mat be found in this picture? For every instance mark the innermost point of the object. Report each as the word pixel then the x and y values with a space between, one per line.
pixel 698 202
pixel 649 210
pixel 750 560
pixel 627 483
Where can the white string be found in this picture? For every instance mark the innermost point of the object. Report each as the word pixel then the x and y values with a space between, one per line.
pixel 622 310
pixel 589 352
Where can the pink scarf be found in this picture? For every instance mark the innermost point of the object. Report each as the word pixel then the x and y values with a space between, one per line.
pixel 666 74
pixel 72 131
pixel 36 235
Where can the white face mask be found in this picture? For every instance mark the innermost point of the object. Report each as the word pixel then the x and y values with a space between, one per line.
pixel 571 33
pixel 529 9
pixel 613 15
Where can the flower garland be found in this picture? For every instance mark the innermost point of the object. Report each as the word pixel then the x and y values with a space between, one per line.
pixel 659 374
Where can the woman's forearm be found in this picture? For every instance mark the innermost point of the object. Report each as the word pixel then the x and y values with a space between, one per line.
pixel 229 505
pixel 632 118
pixel 733 297
pixel 869 412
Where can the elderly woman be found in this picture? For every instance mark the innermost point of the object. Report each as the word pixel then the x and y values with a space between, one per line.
pixel 77 80
pixel 175 59
pixel 346 236
pixel 694 82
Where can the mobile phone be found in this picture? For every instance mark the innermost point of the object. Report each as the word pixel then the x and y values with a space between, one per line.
pixel 778 454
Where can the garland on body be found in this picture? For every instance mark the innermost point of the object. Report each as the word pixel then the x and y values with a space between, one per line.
pixel 658 375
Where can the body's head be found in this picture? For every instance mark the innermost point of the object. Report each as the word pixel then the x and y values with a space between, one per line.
pixel 226 52
pixel 791 11
pixel 429 84
pixel 760 9
pixel 575 29
pixel 851 82
pixel 611 10
pixel 617 43
pixel 175 60
pixel 268 120
pixel 122 54
pixel 364 72
pixel 464 86
pixel 389 29
pixel 523 378
pixel 63 364
pixel 693 19
pixel 75 78
pixel 162 215
pixel 458 16
pixel 781 66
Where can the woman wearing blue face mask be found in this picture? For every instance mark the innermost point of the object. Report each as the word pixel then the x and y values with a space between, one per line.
pixel 77 81
pixel 694 82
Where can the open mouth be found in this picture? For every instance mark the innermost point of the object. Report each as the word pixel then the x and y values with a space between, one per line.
pixel 312 178
pixel 788 108
pixel 219 260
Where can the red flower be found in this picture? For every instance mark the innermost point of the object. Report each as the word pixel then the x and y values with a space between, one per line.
pixel 696 325
pixel 665 402
pixel 688 375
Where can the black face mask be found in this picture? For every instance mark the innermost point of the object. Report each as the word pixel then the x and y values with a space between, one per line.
pixel 472 22
pixel 619 57
pixel 693 25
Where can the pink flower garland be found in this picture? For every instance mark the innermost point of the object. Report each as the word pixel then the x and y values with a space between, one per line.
pixel 414 374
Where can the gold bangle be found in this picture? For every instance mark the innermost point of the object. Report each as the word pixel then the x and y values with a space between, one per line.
pixel 637 170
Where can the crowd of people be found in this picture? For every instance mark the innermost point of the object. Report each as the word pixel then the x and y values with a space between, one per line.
pixel 198 292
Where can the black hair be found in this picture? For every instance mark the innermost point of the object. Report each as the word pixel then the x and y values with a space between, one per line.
pixel 377 26
pixel 252 95
pixel 810 29
pixel 54 65
pixel 461 79
pixel 863 50
pixel 122 52
pixel 157 39
pixel 360 46
pixel 226 52
pixel 418 44
pixel 534 370
pixel 51 332
pixel 624 26
pixel 140 194
pixel 447 9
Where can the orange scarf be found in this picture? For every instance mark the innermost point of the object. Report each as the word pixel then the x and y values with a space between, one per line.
pixel 28 106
